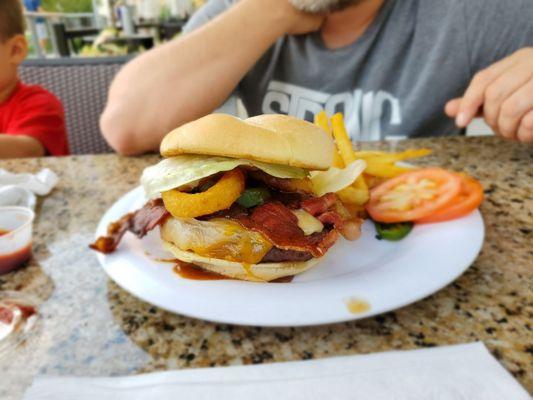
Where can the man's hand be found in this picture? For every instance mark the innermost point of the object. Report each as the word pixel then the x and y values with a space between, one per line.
pixel 503 95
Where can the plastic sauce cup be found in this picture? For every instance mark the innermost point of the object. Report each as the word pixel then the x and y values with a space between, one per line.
pixel 15 237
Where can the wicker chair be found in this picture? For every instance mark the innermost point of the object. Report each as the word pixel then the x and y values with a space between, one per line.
pixel 81 85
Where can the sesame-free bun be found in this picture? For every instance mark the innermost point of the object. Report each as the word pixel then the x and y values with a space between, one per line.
pixel 263 272
pixel 271 138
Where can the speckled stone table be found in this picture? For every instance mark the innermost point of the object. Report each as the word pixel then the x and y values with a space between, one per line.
pixel 89 326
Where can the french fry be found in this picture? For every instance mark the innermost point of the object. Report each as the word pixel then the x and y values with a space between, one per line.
pixel 369 154
pixel 385 170
pixel 413 153
pixel 386 158
pixel 381 165
pixel 354 196
pixel 343 141
pixel 361 186
pixel 355 210
pixel 337 160
pixel 348 156
pixel 322 121
pixel 373 181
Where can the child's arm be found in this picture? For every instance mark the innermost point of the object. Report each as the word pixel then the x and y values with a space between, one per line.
pixel 18 146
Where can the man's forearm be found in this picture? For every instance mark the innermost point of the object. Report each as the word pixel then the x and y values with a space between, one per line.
pixel 12 146
pixel 189 77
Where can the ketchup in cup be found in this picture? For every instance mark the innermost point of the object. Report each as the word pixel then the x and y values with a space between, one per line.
pixel 15 237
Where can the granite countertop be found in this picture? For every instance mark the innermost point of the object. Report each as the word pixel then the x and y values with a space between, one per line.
pixel 87 325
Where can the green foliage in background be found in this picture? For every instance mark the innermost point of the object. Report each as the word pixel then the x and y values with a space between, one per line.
pixel 67 5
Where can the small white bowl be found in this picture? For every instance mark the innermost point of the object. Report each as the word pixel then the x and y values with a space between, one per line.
pixel 16 229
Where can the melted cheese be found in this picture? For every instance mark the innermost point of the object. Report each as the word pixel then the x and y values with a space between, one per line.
pixel 218 238
pixel 307 222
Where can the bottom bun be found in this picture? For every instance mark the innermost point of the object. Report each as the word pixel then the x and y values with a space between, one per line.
pixel 246 272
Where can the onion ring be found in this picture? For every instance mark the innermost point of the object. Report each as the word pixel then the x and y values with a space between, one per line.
pixel 218 197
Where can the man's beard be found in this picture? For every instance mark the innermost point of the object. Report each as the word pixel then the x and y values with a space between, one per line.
pixel 322 6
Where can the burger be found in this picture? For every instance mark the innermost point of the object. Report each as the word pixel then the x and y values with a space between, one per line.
pixel 243 199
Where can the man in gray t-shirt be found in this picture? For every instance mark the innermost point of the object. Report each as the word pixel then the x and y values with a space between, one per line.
pixel 391 66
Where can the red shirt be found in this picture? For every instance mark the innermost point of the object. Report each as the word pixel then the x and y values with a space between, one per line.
pixel 35 112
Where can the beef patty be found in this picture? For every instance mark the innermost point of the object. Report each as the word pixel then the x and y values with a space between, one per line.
pixel 277 255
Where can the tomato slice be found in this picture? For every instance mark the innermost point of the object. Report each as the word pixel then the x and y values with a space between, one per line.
pixel 468 199
pixel 413 195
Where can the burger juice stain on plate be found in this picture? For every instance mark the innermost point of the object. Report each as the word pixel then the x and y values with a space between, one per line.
pixel 191 271
pixel 357 306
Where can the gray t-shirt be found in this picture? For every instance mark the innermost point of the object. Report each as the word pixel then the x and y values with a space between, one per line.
pixel 395 80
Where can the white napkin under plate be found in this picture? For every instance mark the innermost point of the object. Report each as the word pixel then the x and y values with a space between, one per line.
pixel 462 372
pixel 20 189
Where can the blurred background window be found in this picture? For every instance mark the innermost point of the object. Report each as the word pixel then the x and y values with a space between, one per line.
pixel 99 28
pixel 77 46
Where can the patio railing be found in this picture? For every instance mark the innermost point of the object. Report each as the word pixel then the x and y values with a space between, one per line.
pixel 71 20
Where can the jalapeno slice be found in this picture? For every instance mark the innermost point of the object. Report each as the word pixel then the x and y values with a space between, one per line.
pixel 253 197
pixel 393 232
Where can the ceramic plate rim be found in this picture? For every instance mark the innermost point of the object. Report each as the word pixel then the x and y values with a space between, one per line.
pixel 134 196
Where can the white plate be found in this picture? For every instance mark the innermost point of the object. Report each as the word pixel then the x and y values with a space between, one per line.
pixel 386 275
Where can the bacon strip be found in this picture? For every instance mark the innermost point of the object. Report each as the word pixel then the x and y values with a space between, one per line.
pixel 280 226
pixel 329 211
pixel 302 186
pixel 331 218
pixel 319 205
pixel 139 223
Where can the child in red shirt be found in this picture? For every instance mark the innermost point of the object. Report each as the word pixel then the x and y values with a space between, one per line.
pixel 32 120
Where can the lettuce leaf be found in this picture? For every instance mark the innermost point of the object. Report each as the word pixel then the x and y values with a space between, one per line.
pixel 178 171
pixel 335 179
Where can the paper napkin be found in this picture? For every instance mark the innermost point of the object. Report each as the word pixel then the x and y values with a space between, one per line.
pixel 463 372
pixel 20 189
